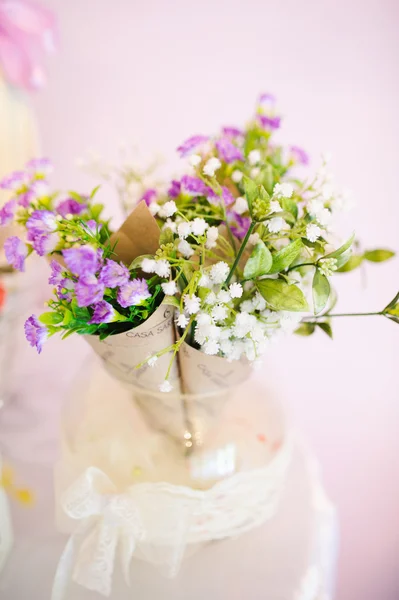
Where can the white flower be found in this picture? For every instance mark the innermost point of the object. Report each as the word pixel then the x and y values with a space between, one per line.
pixel 313 232
pixel 192 304
pixel 199 226
pixel 182 321
pixel 148 265
pixel 169 288
pixel 194 160
pixel 168 209
pixel 246 306
pixel 185 248
pixel 204 281
pixel 324 217
pixel 203 318
pixel 254 157
pixel 154 208
pixel 258 302
pixel 255 172
pixel 211 237
pixel 223 296
pixel 283 190
pixel 211 299
pixel 170 225
pixel 327 191
pixel 275 206
pixel 152 361
pixel 254 238
pixel 243 324
pixel 219 272
pixel 315 206
pixel 211 166
pixel 236 290
pixel 240 205
pixel 327 266
pixel 276 224
pixel 162 268
pixel 184 229
pixel 165 386
pixel 219 312
pixel 237 176
pixel 226 346
pixel 211 347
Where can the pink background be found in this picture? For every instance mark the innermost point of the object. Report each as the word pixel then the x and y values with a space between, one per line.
pixel 156 72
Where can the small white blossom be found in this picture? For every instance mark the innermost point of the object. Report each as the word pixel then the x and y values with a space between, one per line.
pixel 243 324
pixel 275 206
pixel 154 208
pixel 246 306
pixel 152 361
pixel 327 266
pixel 219 272
pixel 192 304
pixel 219 312
pixel 199 226
pixel 211 237
pixel 184 229
pixel 211 347
pixel 169 288
pixel 237 176
pixel 276 224
pixel 194 160
pixel 185 248
pixel 226 346
pixel 223 296
pixel 315 206
pixel 254 157
pixel 236 290
pixel 327 191
pixel 203 318
pixel 170 225
pixel 182 321
pixel 254 238
pixel 204 281
pixel 258 302
pixel 148 265
pixel 283 190
pixel 324 217
pixel 313 232
pixel 240 205
pixel 165 386
pixel 168 209
pixel 211 166
pixel 162 268
pixel 211 299
pixel 255 172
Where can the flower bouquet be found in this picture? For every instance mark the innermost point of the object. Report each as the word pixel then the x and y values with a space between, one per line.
pixel 189 293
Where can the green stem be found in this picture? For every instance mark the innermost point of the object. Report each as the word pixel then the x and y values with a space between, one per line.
pixel 309 264
pixel 327 316
pixel 240 251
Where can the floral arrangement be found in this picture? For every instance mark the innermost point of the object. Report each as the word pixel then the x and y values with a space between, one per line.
pixel 245 249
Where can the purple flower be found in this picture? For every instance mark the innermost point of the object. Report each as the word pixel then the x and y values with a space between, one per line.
pixel 194 186
pixel 40 166
pixel 267 99
pixel 57 271
pixel 232 132
pixel 238 224
pixel 89 290
pixel 45 244
pixel 192 144
pixel 174 189
pixel 7 212
pixel 35 333
pixel 226 196
pixel 103 313
pixel 92 226
pixel 82 261
pixel 70 206
pixel 299 155
pixel 39 189
pixel 26 198
pixel 15 181
pixel 133 292
pixel 41 222
pixel 227 151
pixel 16 252
pixel 149 196
pixel 65 289
pixel 269 122
pixel 114 274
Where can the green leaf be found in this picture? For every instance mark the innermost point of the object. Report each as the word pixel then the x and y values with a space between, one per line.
pixel 94 191
pixel 321 291
pixel 266 177
pixel 286 256
pixel 281 295
pixel 171 301
pixel 136 264
pixel 392 303
pixel 342 248
pixel 251 191
pixel 352 263
pixel 305 329
pixel 343 258
pixel 259 262
pixel 290 206
pixel 51 318
pixel 326 327
pixel 378 255
pixel 96 210
pixel 166 236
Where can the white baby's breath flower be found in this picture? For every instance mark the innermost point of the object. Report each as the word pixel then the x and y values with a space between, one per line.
pixel 226 346
pixel 258 302
pixel 211 237
pixel 315 206
pixel 162 268
pixel 223 296
pixel 219 312
pixel 283 190
pixel 219 272
pixel 182 321
pixel 199 226
pixel 203 318
pixel 168 209
pixel 313 232
pixel 185 248
pixel 247 306
pixel 148 265
pixel 194 160
pixel 154 208
pixel 211 299
pixel 151 362
pixel 237 176
pixel 324 217
pixel 211 347
pixel 170 225
pixel 243 324
pixel 236 290
pixel 254 157
pixel 204 281
pixel 327 266
pixel 184 229
pixel 192 304
pixel 275 224
pixel 169 288
pixel 211 166
pixel 255 172
pixel 240 205
pixel 254 238
pixel 165 387
pixel 274 206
